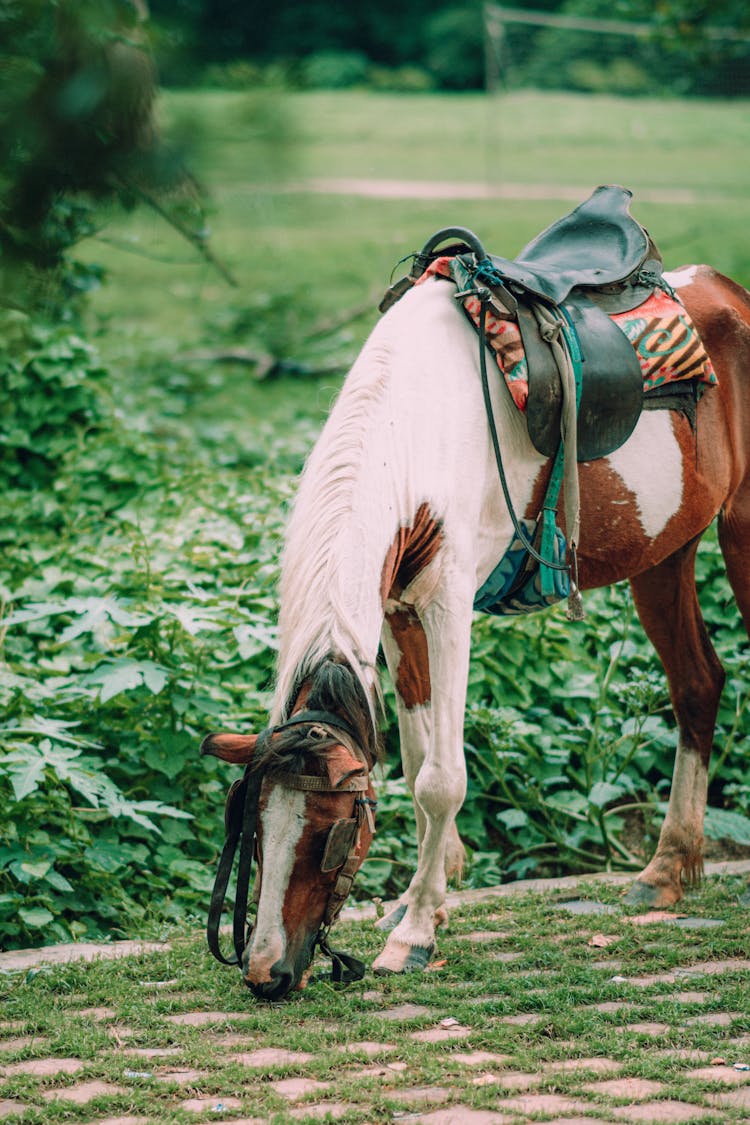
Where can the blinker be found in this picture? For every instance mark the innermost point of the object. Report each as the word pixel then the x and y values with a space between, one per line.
pixel 339 843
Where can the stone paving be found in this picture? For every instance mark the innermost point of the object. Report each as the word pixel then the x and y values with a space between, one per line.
pixel 587 1090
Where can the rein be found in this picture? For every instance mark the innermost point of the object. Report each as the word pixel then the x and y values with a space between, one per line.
pixel 241 816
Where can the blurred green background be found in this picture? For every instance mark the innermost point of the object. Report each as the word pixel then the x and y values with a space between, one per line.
pixel 188 270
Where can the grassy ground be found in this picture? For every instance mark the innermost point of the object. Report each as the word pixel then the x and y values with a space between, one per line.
pixel 322 252
pixel 534 1008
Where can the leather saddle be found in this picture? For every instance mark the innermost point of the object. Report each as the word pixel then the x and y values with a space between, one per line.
pixel 597 259
pixel 598 246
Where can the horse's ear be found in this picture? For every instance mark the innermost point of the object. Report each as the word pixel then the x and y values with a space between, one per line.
pixel 341 765
pixel 236 748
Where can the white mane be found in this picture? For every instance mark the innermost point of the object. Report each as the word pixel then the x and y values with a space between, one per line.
pixel 316 618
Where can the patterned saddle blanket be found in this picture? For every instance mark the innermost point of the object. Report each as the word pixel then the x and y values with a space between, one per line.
pixel 660 330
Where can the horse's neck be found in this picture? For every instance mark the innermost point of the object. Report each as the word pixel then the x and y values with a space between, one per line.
pixel 407 430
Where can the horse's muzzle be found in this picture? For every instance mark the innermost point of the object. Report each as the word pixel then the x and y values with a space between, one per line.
pixel 280 982
pixel 286 975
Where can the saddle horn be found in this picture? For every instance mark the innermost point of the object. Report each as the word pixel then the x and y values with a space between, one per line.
pixel 461 234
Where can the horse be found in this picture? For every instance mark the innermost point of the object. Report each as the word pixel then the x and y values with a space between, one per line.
pixel 398 520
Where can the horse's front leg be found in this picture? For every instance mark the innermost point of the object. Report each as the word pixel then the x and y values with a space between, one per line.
pixel 428 654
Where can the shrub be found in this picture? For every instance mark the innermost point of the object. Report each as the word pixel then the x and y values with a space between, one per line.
pixel 454 41
pixel 335 70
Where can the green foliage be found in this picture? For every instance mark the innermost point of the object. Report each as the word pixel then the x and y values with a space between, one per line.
pixel 135 617
pixel 333 70
pixel 678 56
pixel 356 43
pixel 51 386
pixel 455 47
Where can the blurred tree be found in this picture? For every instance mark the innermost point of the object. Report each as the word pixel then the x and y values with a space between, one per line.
pixel 683 47
pixel 454 42
pixel 77 87
pixel 684 53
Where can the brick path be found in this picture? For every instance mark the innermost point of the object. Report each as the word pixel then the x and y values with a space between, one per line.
pixel 658 1075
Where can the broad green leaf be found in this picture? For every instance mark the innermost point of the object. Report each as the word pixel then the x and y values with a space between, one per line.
pixel 170 754
pixel 722 824
pixel 35 917
pixel 106 856
pixel 513 818
pixel 25 775
pixel 604 792
pixel 36 870
pixel 58 881
pixel 154 677
pixel 117 677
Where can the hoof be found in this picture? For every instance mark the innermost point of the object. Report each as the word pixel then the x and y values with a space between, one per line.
pixel 390 920
pixel 643 894
pixel 417 957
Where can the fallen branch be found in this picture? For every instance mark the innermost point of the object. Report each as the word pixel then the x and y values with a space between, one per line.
pixel 267 366
pixel 346 316
pixel 195 239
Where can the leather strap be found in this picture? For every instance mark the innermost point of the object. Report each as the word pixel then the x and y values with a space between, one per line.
pixel 344 967
pixel 329 718
pixel 240 833
pixel 314 784
pixel 483 295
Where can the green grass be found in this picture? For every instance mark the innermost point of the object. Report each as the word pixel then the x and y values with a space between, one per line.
pixel 554 975
pixel 522 137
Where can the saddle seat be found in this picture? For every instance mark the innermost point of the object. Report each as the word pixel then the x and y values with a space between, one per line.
pixel 597 246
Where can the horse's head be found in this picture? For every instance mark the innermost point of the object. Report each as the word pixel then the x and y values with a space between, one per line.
pixel 308 800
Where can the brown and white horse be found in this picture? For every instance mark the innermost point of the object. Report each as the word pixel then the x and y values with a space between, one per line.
pixel 398 521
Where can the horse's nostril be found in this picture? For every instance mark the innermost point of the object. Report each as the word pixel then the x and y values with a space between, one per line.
pixel 275 988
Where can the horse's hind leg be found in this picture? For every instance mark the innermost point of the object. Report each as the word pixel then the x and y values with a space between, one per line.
pixel 668 607
pixel 734 539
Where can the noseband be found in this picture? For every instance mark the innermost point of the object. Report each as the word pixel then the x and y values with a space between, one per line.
pixel 240 821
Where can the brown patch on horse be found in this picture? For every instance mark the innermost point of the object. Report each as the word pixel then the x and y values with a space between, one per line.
pixel 610 528
pixel 235 748
pixel 341 765
pixel 613 543
pixel 414 547
pixel 413 675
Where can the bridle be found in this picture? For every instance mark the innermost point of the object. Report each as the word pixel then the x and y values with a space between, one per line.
pixel 340 853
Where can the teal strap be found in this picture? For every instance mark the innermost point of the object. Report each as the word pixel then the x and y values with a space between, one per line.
pixel 549 507
pixel 549 525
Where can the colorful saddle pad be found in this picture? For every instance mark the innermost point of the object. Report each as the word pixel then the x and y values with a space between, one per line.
pixel 660 330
